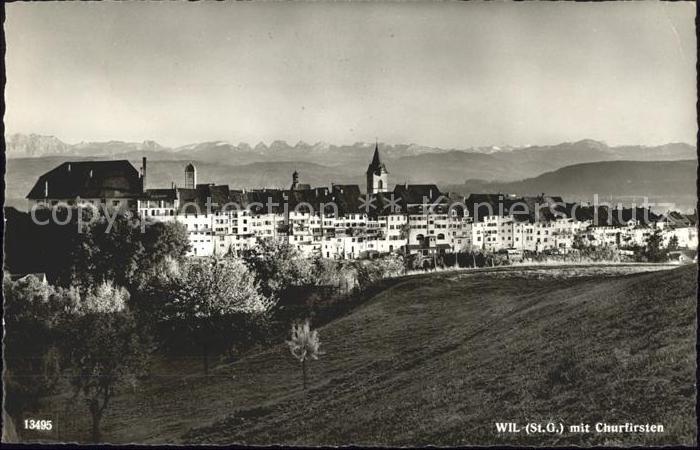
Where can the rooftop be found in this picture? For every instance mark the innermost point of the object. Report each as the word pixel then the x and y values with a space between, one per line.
pixel 89 179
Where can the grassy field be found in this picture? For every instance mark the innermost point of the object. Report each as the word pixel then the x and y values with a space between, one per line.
pixel 438 359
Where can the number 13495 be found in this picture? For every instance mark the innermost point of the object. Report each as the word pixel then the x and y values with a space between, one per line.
pixel 40 425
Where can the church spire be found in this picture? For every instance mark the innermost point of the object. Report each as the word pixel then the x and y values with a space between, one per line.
pixel 376 161
pixel 377 179
pixel 376 166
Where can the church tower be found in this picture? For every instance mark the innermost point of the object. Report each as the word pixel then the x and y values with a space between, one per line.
pixel 377 175
pixel 295 181
pixel 190 176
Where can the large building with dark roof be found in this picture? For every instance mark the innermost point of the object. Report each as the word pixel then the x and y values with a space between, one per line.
pixel 115 184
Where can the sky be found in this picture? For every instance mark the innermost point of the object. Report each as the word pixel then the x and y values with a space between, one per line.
pixel 453 75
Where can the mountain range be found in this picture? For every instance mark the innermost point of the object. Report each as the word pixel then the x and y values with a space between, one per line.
pixel 409 162
pixel 510 169
pixel 493 163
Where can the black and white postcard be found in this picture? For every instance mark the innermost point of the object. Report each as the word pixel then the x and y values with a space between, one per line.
pixel 376 223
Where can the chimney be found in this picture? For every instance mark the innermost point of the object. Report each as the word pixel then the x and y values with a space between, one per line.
pixel 90 173
pixel 143 174
pixel 68 167
pixel 46 188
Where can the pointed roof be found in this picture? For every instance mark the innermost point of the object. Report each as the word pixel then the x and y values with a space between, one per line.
pixel 376 166
pixel 375 159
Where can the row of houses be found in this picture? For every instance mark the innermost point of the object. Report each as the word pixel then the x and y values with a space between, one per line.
pixel 340 221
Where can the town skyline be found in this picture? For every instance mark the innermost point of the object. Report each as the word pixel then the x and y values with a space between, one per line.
pixel 537 75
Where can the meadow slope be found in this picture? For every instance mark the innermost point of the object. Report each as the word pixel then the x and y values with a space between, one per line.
pixel 439 358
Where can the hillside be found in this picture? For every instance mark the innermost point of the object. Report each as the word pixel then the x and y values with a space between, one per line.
pixel 438 359
pixel 668 181
pixel 449 166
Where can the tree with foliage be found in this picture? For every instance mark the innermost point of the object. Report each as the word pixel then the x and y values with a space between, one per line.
pixel 654 251
pixel 125 250
pixel 214 301
pixel 404 231
pixel 32 316
pixel 304 345
pixel 370 271
pixel 473 254
pixel 411 262
pixel 579 242
pixel 83 247
pixel 39 244
pixel 108 251
pixel 105 349
pixel 327 272
pixel 278 265
pixel 165 245
pixel 672 244
pixel 150 298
